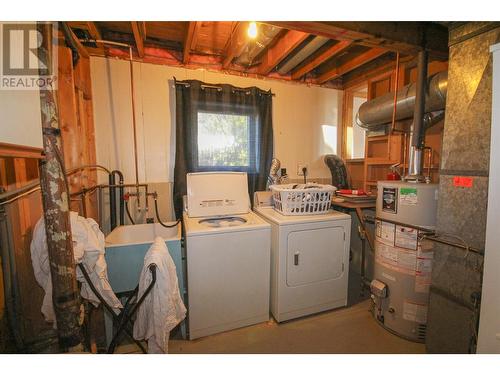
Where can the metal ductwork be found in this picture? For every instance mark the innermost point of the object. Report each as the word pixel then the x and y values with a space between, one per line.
pixel 254 48
pixel 377 112
pixel 303 54
pixel 417 133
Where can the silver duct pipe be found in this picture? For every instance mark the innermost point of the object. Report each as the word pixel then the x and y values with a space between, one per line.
pixel 377 112
pixel 417 139
pixel 304 53
pixel 417 134
pixel 253 48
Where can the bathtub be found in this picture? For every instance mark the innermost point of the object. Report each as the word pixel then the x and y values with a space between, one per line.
pixel 126 247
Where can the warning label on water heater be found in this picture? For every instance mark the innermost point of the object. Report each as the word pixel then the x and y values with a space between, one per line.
pixel 385 232
pixel 406 237
pixel 408 196
pixel 396 259
pixel 415 312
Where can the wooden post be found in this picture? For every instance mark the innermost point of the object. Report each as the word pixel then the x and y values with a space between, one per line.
pixel 55 200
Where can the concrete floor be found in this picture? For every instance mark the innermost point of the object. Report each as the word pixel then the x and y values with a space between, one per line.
pixel 346 330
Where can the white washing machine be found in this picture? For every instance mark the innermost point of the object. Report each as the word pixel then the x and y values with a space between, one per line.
pixel 309 262
pixel 227 254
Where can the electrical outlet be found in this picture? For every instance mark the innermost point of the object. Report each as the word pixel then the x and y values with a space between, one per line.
pixel 300 166
pixel 150 220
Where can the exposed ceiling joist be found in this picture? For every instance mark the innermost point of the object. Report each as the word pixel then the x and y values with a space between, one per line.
pixel 82 51
pixel 236 44
pixel 95 34
pixel 321 58
pixel 352 64
pixel 368 71
pixel 138 28
pixel 190 41
pixel 280 50
pixel 404 37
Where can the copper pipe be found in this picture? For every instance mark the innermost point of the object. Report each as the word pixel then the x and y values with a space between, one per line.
pixel 405 141
pixel 135 131
pixel 13 195
pixel 429 161
pixel 396 84
pixel 87 166
pixel 136 167
pixel 439 239
pixel 104 186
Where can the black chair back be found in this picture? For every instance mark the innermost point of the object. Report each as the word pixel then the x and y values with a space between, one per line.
pixel 338 170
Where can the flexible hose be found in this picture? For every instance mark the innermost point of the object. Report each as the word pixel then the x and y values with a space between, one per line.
pixel 128 212
pixel 159 220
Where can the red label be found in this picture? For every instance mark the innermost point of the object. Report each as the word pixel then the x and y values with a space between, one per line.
pixel 461 181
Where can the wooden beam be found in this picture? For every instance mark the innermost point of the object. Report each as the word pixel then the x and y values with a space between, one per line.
pixel 352 64
pixel 190 41
pixel 137 29
pixel 82 51
pixel 280 50
pixel 19 151
pixel 95 34
pixel 236 44
pixel 321 58
pixel 376 68
pixel 404 37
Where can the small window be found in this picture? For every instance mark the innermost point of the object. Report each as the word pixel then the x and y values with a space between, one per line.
pixel 355 135
pixel 226 141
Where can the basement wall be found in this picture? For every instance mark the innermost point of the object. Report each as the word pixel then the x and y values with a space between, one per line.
pixel 457 275
pixel 306 123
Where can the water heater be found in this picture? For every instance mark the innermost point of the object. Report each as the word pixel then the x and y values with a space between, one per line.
pixel 403 264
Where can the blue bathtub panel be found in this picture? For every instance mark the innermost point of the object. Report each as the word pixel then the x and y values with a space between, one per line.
pixel 125 264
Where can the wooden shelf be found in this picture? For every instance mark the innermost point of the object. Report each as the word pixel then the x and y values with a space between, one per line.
pixel 355 161
pixel 378 161
pixel 377 138
pixel 20 151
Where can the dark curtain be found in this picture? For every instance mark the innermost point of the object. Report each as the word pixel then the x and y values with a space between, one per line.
pixel 193 97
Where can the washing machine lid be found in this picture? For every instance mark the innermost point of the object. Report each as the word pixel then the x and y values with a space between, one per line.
pixel 217 194
pixel 272 215
pixel 195 226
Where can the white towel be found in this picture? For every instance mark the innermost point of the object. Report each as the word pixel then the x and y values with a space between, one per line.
pixel 88 248
pixel 162 308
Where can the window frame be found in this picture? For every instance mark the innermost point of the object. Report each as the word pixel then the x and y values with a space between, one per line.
pixel 253 144
pixel 347 119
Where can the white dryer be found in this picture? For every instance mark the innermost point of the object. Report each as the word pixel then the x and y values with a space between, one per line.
pixel 309 262
pixel 227 255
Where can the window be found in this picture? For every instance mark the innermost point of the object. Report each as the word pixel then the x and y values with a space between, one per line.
pixel 221 128
pixel 354 134
pixel 226 141
pixel 358 133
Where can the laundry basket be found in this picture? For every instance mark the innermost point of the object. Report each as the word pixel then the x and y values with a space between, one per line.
pixel 302 199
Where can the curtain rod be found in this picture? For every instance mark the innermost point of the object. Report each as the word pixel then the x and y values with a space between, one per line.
pixel 219 88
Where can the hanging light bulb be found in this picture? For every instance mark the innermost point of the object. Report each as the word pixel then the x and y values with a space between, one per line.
pixel 252 30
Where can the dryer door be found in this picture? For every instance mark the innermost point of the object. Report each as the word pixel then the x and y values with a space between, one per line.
pixel 315 255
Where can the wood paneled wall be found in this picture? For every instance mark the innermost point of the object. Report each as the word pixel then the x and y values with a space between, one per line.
pixel 77 127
